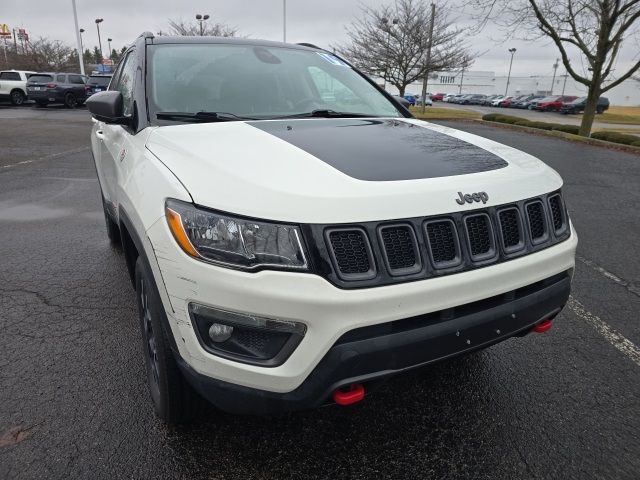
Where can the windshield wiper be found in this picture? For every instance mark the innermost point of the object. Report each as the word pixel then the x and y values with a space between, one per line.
pixel 201 116
pixel 325 113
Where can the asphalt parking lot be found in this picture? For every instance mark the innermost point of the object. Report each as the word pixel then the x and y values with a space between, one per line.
pixel 74 403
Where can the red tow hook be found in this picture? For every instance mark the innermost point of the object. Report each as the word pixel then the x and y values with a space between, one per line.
pixel 543 327
pixel 352 394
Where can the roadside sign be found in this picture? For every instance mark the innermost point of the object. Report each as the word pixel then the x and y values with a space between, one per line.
pixel 5 31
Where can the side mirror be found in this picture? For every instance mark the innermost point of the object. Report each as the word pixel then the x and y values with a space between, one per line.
pixel 107 107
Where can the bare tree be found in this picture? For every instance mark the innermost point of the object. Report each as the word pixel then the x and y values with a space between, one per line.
pixel 44 55
pixel 209 29
pixel 392 41
pixel 595 30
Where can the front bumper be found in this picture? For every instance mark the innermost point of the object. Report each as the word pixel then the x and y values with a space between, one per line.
pixel 327 311
pixel 370 354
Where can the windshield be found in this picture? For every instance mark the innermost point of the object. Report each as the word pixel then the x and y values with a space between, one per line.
pixel 256 82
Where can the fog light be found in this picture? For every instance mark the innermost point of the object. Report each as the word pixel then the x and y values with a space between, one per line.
pixel 219 332
pixel 244 337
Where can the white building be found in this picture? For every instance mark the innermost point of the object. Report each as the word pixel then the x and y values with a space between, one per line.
pixel 625 94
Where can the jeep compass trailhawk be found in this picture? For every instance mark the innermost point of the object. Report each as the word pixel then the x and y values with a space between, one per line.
pixel 294 235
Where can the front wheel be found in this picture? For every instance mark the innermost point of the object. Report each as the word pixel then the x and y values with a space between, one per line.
pixel 17 97
pixel 70 100
pixel 174 401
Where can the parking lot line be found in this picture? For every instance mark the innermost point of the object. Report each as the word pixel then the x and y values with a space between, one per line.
pixel 611 276
pixel 619 341
pixel 46 157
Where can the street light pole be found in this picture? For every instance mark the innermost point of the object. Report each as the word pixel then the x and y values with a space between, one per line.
pixel 109 41
pixel 98 22
pixel 511 51
pixel 428 62
pixel 284 21
pixel 81 42
pixel 78 36
pixel 201 19
pixel 555 68
pixel 564 84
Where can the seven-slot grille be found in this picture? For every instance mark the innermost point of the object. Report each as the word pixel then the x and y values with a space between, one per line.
pixel 390 253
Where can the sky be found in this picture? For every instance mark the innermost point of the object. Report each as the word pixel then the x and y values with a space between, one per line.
pixel 321 22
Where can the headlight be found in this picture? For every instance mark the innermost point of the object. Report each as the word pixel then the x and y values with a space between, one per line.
pixel 232 241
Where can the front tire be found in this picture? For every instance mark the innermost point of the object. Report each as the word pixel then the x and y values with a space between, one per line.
pixel 17 98
pixel 174 401
pixel 70 100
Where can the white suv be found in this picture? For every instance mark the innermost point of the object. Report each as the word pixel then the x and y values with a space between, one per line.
pixel 13 85
pixel 295 236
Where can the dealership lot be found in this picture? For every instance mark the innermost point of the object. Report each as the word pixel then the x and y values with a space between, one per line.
pixel 72 383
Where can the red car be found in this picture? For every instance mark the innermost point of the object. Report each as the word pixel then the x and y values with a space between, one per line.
pixel 553 104
pixel 437 97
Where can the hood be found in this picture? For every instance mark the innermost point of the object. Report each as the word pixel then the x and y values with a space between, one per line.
pixel 344 170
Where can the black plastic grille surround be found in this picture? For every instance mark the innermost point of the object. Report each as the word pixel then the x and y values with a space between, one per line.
pixel 370 254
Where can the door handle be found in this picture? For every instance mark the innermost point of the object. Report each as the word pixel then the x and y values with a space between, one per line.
pixel 100 134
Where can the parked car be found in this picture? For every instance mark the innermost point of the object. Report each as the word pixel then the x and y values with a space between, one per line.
pixel 13 85
pixel 447 98
pixel 488 99
pixel 373 261
pixel 496 101
pixel 437 97
pixel 477 99
pixel 403 101
pixel 577 106
pixel 553 103
pixel 525 102
pixel 461 99
pixel 70 89
pixel 99 83
pixel 508 102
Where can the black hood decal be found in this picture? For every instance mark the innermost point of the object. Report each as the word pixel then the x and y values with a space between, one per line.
pixel 383 150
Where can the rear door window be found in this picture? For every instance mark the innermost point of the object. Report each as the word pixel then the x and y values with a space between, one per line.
pixel 76 79
pixel 61 79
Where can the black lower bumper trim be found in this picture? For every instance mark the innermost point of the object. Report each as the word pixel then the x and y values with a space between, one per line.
pixel 369 355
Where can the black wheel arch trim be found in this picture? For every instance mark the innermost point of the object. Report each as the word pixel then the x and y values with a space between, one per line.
pixel 135 238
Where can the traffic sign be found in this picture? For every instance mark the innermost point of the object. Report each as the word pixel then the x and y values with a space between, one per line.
pixel 5 31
